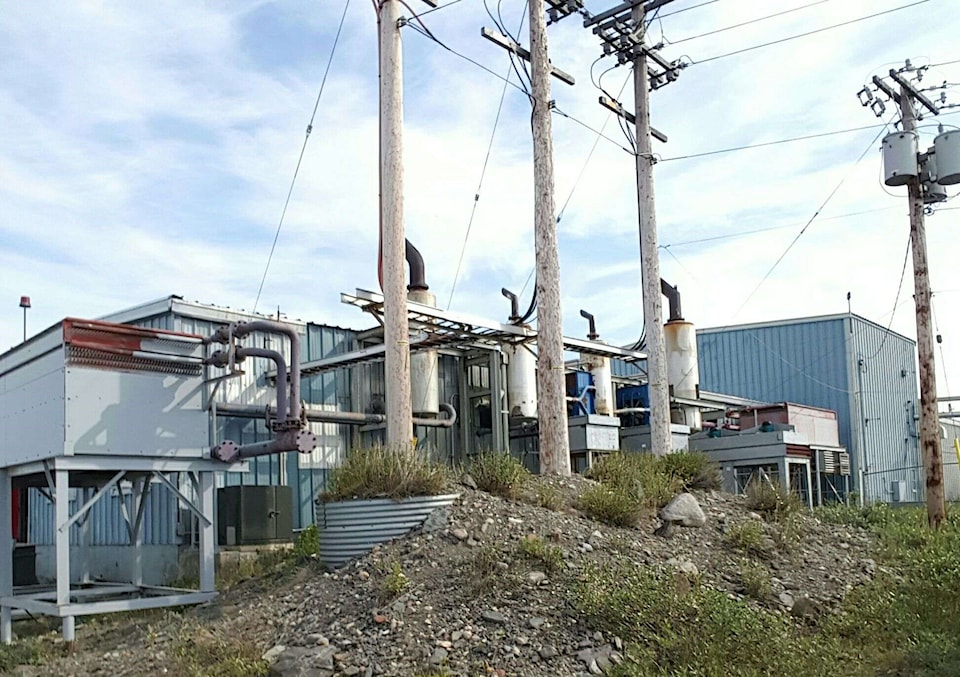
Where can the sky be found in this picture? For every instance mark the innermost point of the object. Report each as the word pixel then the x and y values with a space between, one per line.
pixel 147 150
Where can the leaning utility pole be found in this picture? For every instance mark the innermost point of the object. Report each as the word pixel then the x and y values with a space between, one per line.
pixel 926 176
pixel 396 334
pixel 929 417
pixel 660 434
pixel 551 387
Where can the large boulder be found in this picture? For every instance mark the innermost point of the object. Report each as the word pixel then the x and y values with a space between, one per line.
pixel 683 510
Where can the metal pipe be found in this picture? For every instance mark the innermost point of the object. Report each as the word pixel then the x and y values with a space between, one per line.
pixel 592 333
pixel 514 305
pixel 301 441
pixel 633 410
pixel 283 412
pixel 246 328
pixel 673 297
pixel 418 273
pixel 343 417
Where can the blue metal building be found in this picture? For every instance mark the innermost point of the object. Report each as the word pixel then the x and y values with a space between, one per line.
pixel 861 370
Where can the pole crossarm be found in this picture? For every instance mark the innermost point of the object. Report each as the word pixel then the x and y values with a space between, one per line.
pixel 511 46
pixel 616 107
pixel 914 92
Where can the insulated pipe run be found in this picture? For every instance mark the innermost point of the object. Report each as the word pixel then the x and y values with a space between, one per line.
pixel 344 417
pixel 246 328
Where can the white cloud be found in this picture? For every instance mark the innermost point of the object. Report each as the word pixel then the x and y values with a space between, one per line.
pixel 148 150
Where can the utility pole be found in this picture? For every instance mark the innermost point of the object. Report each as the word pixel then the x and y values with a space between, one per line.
pixel 622 29
pixel 929 417
pixel 926 176
pixel 551 386
pixel 396 334
pixel 660 434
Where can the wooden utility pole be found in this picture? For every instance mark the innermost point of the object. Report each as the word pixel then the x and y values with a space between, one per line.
pixel 660 436
pixel 551 386
pixel 929 418
pixel 396 335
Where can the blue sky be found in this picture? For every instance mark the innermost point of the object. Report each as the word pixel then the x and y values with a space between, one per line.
pixel 147 150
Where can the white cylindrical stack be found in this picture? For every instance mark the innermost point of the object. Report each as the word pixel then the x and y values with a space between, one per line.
pixel 683 371
pixel 424 368
pixel 521 380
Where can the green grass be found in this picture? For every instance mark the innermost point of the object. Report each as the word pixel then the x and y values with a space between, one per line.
pixel 770 499
pixel 748 538
pixel 200 652
pixel 550 556
pixel 755 580
pixel 393 584
pixel 381 472
pixel 307 542
pixel 904 622
pixel 548 497
pixel 28 651
pixel 499 473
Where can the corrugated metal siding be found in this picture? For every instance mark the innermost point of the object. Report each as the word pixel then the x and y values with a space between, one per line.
pixel 815 363
pixel 107 524
pixel 888 378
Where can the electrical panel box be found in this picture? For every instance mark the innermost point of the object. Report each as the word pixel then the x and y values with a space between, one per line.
pixel 248 515
pixel 89 387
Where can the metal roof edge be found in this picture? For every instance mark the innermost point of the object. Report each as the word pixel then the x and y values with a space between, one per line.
pixel 799 320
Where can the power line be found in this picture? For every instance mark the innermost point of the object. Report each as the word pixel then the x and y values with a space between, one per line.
pixel 303 148
pixel 744 233
pixel 483 171
pixel 896 300
pixel 687 9
pixel 436 9
pixel 770 143
pixel 943 361
pixel 809 222
pixel 463 56
pixel 944 63
pixel 813 32
pixel 595 131
pixel 745 23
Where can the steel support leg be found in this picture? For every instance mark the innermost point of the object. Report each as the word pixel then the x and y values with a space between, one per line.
pixel 136 536
pixel 62 541
pixel 85 536
pixel 207 532
pixel 6 558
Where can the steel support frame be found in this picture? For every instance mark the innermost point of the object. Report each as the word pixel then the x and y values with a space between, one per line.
pixel 67 602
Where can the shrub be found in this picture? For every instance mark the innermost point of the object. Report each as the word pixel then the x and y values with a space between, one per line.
pixel 769 498
pixel 551 556
pixel 693 469
pixel 614 505
pixel 549 497
pixel 639 475
pixel 393 584
pixel 22 652
pixel 748 537
pixel 307 543
pixel 499 473
pixel 755 580
pixel 379 472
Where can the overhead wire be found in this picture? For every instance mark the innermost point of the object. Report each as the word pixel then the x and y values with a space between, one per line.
pixel 939 340
pixel 746 23
pixel 806 226
pixel 483 173
pixel 687 9
pixel 744 233
pixel 436 9
pixel 808 33
pixel 896 299
pixel 303 148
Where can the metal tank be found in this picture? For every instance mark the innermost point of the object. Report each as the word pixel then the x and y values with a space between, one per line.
pixel 899 158
pixel 424 368
pixel 682 369
pixel 521 380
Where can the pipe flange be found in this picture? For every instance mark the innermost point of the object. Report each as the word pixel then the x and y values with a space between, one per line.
pixel 306 441
pixel 227 451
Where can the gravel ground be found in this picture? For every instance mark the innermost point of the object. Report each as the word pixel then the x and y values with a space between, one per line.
pixel 465 599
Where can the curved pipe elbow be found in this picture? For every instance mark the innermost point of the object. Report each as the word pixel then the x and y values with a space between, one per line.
pixel 418 272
